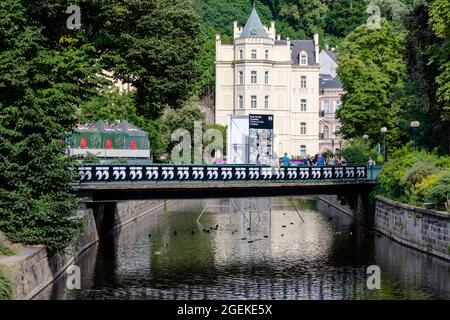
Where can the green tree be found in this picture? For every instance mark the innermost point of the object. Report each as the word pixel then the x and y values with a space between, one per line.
pixel 357 151
pixel 439 21
pixel 110 105
pixel 309 15
pixel 155 49
pixel 421 47
pixel 42 82
pixel 344 16
pixel 371 69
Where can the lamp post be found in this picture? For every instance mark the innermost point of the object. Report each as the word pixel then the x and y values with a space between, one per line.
pixel 384 130
pixel 414 126
pixel 366 137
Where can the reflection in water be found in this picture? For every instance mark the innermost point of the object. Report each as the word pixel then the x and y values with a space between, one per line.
pixel 262 249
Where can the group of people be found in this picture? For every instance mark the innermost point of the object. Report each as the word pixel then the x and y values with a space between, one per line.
pixel 319 160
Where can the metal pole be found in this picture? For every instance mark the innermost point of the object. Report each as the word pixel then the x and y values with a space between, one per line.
pixel 414 137
pixel 384 148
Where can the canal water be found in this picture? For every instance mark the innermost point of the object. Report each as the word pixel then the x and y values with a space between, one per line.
pixel 251 248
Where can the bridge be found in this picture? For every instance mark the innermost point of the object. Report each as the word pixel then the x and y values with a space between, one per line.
pixel 111 182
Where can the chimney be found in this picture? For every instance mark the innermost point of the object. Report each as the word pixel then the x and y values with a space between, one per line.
pixel 316 47
pixel 236 30
pixel 272 32
pixel 218 43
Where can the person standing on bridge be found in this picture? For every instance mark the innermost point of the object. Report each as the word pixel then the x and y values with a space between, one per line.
pixel 320 160
pixel 286 160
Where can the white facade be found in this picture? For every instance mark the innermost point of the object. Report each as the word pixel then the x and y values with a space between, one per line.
pixel 261 74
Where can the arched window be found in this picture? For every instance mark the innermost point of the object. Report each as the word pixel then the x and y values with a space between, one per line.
pixel 326 132
pixel 303 59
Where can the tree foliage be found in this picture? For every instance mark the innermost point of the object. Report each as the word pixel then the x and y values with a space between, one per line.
pixel 42 82
pixel 371 68
pixel 439 21
pixel 155 49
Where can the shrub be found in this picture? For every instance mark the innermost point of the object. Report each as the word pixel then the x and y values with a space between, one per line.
pixel 419 170
pixel 357 151
pixel 90 158
pixel 389 181
pixel 415 177
pixel 439 191
pixel 418 193
pixel 5 250
pixel 5 285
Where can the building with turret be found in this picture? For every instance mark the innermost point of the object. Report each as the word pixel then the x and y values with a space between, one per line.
pixel 260 73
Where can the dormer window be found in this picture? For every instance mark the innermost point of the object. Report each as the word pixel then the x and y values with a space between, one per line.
pixel 303 58
pixel 254 54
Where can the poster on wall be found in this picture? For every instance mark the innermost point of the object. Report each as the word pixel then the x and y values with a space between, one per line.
pixel 260 139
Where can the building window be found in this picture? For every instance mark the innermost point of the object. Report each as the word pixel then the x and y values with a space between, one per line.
pixel 303 59
pixel 241 77
pixel 267 54
pixel 266 102
pixel 253 102
pixel 303 105
pixel 303 151
pixel 303 82
pixel 253 78
pixel 241 102
pixel 266 77
pixel 326 106
pixel 241 54
pixel 337 104
pixel 253 53
pixel 337 129
pixel 326 132
pixel 303 128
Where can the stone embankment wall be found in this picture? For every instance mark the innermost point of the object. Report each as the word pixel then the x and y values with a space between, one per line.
pixel 32 268
pixel 420 228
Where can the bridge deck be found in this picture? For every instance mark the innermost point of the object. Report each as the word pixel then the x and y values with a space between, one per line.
pixel 186 190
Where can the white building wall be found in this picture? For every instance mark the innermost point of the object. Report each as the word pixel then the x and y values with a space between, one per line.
pixel 283 90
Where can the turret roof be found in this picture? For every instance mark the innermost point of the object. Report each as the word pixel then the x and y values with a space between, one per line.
pixel 254 27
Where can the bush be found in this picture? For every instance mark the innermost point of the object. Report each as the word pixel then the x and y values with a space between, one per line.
pixel 5 250
pixel 389 183
pixel 90 158
pixel 5 285
pixel 439 191
pixel 415 177
pixel 357 151
pixel 418 194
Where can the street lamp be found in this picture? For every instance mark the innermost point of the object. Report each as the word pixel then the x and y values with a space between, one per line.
pixel 414 126
pixel 384 130
pixel 366 137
